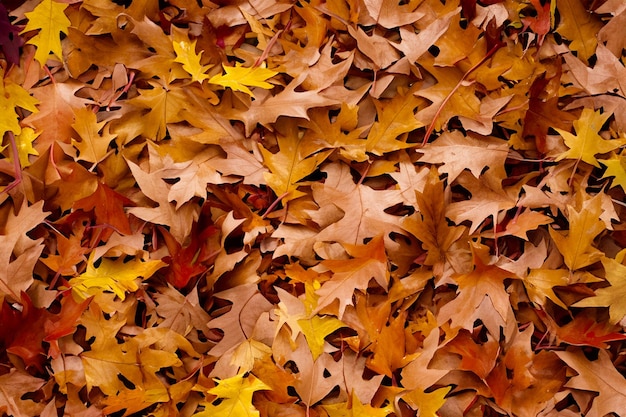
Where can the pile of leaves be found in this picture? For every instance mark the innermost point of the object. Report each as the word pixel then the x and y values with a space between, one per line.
pixel 310 208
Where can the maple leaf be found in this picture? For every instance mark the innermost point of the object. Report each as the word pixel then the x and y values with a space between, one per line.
pixel 368 261
pixel 108 207
pixel 186 54
pixel 49 17
pixel 427 403
pixel 154 186
pixel 23 332
pixel 524 382
pixel 116 276
pixel 294 161
pixel 239 78
pixel 93 145
pixel 238 322
pixel 458 152
pixel 599 376
pixel 482 286
pixel 18 252
pixel 587 143
pixel 612 296
pixel 585 225
pixel 236 397
pixel 583 330
pixel 13 96
pixel 395 118
pixel 360 208
pixel 615 167
pixel 24 142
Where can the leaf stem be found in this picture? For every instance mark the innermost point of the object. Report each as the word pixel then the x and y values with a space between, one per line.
pixel 16 164
pixel 274 204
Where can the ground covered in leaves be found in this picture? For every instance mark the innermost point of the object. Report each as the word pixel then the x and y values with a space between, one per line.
pixel 308 208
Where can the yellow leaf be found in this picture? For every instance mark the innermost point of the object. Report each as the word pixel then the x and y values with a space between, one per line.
pixel 585 225
pixel 186 55
pixel 93 146
pixel 116 276
pixel 48 16
pixel 616 167
pixel 292 163
pixel 395 118
pixel 240 78
pixel 579 26
pixel 316 329
pixel 613 296
pixel 236 394
pixel 356 409
pixel 12 96
pixel 24 142
pixel 587 143
pixel 427 402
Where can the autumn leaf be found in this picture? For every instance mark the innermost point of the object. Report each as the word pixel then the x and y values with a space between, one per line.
pixel 579 26
pixel 293 162
pixel 116 276
pixel 597 376
pixel 316 209
pixel 49 17
pixel 13 96
pixel 585 224
pixel 239 78
pixel 427 403
pixel 395 119
pixel 587 143
pixel 236 397
pixel 93 144
pixel 185 50
pixel 357 409
pixel 610 296
pixel 368 261
pixel 25 147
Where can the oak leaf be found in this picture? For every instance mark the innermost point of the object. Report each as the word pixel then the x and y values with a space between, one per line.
pixel 395 119
pixel 458 152
pixel 482 286
pixel 267 108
